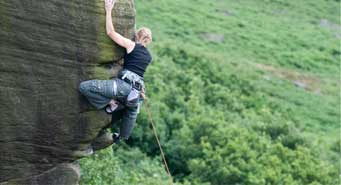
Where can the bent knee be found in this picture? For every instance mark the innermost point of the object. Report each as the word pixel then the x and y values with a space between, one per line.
pixel 84 87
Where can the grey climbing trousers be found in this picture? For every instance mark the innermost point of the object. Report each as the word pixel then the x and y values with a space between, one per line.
pixel 100 92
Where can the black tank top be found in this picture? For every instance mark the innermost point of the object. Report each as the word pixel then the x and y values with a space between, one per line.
pixel 137 60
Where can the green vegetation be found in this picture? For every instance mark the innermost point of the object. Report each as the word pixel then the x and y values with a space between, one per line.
pixel 242 92
pixel 128 166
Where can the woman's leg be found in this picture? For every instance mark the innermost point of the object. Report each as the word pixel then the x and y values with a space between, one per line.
pixel 98 92
pixel 101 92
pixel 128 122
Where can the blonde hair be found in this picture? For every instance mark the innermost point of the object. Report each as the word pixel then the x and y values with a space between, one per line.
pixel 144 36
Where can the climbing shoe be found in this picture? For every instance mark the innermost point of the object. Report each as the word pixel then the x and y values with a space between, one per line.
pixel 111 107
pixel 116 138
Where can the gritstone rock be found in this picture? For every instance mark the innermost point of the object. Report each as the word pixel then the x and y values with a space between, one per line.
pixel 46 49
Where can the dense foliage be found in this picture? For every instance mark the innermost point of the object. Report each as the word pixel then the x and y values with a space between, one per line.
pixel 128 166
pixel 243 92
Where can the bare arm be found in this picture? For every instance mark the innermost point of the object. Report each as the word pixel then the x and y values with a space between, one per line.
pixel 116 37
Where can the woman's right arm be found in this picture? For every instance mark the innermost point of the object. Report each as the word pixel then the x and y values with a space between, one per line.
pixel 116 37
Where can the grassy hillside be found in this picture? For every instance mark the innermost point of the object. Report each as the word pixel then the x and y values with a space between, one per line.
pixel 242 92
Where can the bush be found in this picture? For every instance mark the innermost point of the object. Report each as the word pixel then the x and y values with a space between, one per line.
pixel 124 166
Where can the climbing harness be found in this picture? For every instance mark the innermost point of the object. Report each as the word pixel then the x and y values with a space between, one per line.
pixel 158 142
pixel 137 85
pixel 132 78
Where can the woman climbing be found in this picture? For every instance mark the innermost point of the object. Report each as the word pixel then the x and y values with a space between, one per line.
pixel 122 95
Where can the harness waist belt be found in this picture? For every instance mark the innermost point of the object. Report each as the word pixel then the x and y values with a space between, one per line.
pixel 136 85
pixel 132 78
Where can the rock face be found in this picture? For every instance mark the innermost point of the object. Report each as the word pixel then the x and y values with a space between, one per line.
pixel 46 49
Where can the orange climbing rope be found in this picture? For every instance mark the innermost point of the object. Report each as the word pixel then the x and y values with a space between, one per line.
pixel 158 142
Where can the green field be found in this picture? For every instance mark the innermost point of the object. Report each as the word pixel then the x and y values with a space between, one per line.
pixel 242 92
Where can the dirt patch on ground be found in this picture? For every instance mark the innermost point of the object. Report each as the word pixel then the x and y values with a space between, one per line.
pixel 332 26
pixel 225 12
pixel 279 12
pixel 304 81
pixel 213 37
